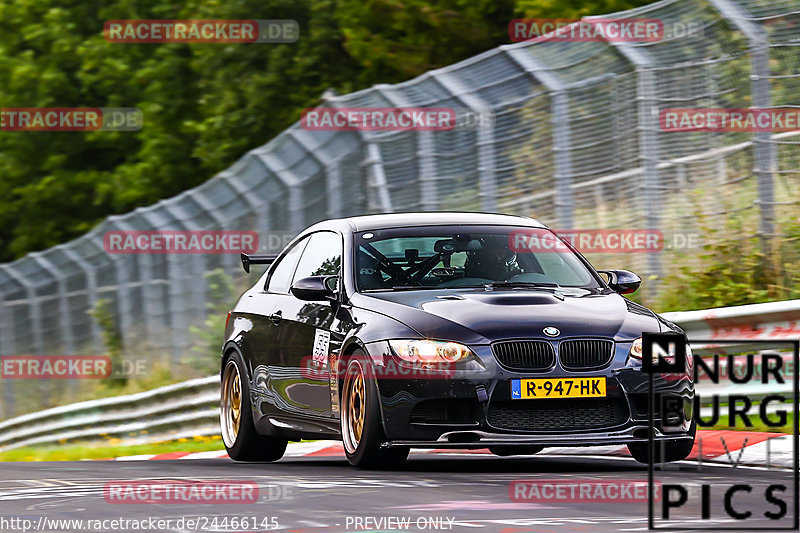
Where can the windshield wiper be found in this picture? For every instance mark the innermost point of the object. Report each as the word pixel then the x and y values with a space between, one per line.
pixel 523 284
pixel 401 288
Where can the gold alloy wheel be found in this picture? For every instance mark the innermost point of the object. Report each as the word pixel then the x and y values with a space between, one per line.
pixel 355 407
pixel 230 411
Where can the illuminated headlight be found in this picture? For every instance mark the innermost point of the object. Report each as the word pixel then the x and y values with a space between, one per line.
pixel 636 349
pixel 429 352
pixel 636 353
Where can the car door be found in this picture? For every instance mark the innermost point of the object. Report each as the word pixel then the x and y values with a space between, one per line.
pixel 268 366
pixel 311 328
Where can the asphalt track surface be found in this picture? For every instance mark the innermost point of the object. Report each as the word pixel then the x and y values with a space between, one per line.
pixel 325 494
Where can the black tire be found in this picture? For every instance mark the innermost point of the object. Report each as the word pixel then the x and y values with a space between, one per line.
pixel 506 451
pixel 665 451
pixel 362 442
pixel 243 443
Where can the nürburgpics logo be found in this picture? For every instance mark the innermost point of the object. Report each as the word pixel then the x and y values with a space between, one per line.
pixel 71 119
pixel 733 398
pixel 201 31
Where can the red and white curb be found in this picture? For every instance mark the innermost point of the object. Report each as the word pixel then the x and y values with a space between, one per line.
pixel 746 448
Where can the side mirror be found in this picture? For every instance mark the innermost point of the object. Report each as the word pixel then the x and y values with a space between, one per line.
pixel 315 288
pixel 622 281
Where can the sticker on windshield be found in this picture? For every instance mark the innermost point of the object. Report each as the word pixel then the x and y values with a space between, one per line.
pixel 322 342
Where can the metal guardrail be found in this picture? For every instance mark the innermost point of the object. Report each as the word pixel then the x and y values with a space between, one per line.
pixel 182 410
pixel 191 408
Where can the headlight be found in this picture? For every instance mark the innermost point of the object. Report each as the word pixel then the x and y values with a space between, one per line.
pixel 636 349
pixel 429 352
pixel 636 353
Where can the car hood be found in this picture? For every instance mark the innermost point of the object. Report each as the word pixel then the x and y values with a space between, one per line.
pixel 480 317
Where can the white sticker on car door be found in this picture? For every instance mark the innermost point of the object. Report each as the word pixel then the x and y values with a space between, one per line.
pixel 322 343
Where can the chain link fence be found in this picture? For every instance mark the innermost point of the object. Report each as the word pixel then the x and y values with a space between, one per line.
pixel 573 140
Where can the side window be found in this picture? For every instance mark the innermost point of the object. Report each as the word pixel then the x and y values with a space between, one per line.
pixel 323 256
pixel 281 278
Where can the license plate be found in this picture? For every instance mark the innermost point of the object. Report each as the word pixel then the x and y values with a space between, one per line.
pixel 534 389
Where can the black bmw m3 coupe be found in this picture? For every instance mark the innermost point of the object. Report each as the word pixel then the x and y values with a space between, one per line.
pixel 441 330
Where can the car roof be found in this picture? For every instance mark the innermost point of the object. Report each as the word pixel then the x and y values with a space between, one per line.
pixel 438 218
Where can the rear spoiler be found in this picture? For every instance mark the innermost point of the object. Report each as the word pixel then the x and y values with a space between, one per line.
pixel 248 260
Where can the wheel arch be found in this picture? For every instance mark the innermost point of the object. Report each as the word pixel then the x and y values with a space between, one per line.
pixel 348 348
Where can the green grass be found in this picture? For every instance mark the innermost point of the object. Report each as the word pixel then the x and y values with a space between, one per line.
pixel 758 425
pixel 95 451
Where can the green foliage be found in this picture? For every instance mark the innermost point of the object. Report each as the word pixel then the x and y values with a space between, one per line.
pixel 573 8
pixel 394 40
pixel 112 339
pixel 204 105
pixel 205 354
pixel 735 271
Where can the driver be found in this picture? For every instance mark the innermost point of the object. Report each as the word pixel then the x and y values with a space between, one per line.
pixel 494 261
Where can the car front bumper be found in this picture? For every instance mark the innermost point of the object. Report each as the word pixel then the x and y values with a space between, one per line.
pixel 467 422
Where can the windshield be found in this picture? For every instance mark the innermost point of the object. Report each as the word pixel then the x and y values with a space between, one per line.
pixel 466 256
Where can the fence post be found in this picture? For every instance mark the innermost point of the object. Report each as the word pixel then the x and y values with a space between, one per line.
pixel 37 346
pixel 91 290
pixel 151 303
pixel 7 347
pixel 429 196
pixel 486 149
pixel 177 320
pixel 765 159
pixel 293 183
pixel 333 178
pixel 648 146
pixel 64 322
pixel 559 120
pixel 380 196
